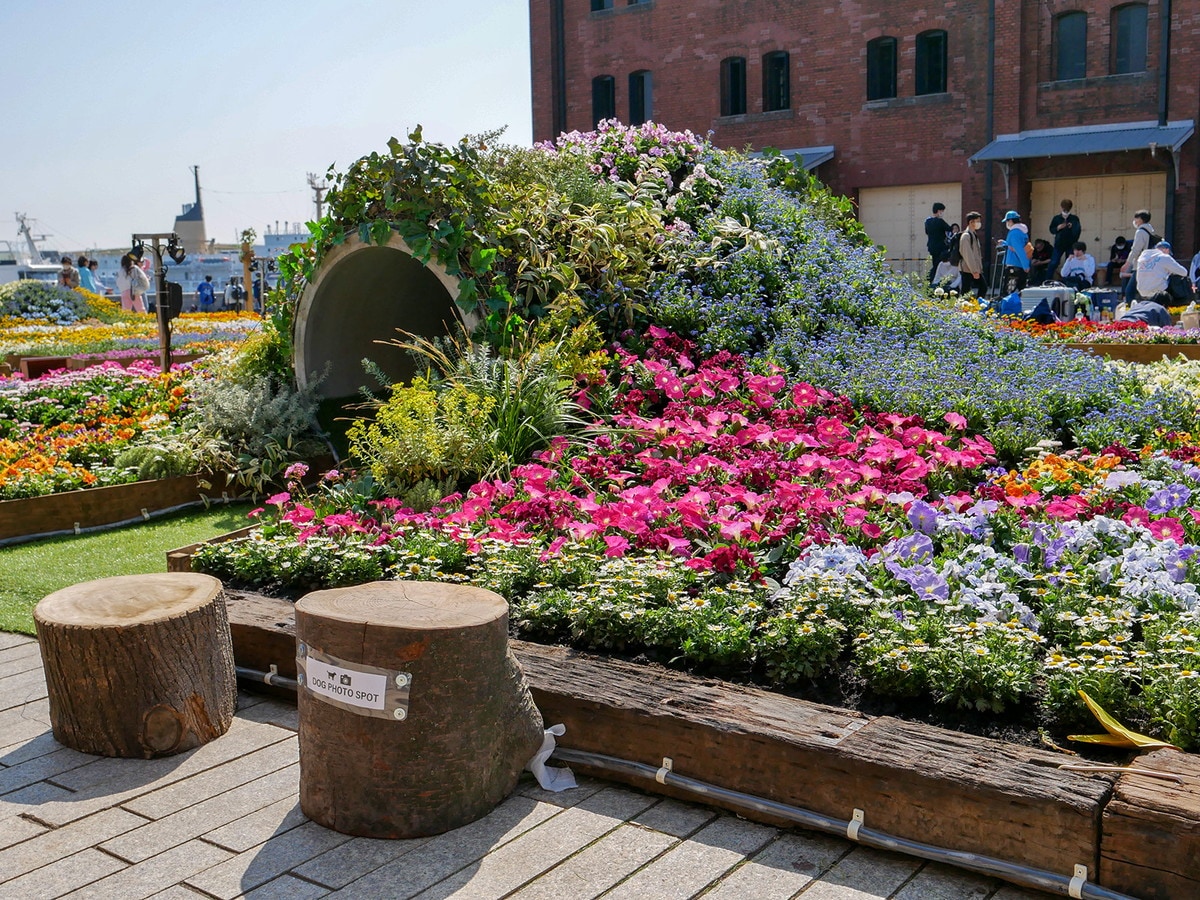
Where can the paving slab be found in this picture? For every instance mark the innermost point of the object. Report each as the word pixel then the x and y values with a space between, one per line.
pixel 259 827
pixel 781 869
pixel 148 878
pixel 40 768
pixel 205 816
pixel 261 864
pixel 8 639
pixel 597 868
pixel 59 843
pixel 61 877
pixel 687 869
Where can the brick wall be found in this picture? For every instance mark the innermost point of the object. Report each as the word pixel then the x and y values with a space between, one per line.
pixel 907 140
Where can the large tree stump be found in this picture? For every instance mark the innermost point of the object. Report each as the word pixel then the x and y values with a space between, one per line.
pixel 457 725
pixel 138 665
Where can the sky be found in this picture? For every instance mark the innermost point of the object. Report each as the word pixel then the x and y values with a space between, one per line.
pixel 108 105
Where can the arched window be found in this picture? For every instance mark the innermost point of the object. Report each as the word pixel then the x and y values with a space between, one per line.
pixel 931 62
pixel 604 98
pixel 1070 46
pixel 1129 39
pixel 641 97
pixel 733 86
pixel 881 68
pixel 777 81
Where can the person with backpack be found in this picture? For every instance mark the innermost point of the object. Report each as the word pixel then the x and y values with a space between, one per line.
pixel 1143 238
pixel 970 256
pixel 937 238
pixel 1017 252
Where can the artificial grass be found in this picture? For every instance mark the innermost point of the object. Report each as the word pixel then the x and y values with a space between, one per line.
pixel 28 572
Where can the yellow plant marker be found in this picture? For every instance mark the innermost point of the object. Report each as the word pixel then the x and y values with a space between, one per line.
pixel 1118 735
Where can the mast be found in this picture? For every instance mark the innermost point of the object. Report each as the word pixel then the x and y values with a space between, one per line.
pixel 35 255
pixel 196 173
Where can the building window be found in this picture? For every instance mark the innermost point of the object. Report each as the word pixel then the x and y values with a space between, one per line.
pixel 641 97
pixel 777 81
pixel 881 68
pixel 1070 51
pixel 733 86
pixel 1129 39
pixel 604 98
pixel 598 5
pixel 931 62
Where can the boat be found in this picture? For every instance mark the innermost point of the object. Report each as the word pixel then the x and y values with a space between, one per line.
pixel 23 259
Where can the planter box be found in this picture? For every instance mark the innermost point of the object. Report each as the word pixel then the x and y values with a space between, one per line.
pixel 69 510
pixel 1139 353
pixel 180 559
pixel 37 366
pixel 1136 835
pixel 86 362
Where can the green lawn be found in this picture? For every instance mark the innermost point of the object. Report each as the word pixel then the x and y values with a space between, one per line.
pixel 29 572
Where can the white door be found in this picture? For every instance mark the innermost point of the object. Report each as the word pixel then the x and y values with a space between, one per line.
pixel 1105 206
pixel 894 217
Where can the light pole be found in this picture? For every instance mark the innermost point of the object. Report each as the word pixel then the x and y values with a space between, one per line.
pixel 162 303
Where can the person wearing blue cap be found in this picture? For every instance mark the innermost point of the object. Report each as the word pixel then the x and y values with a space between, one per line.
pixel 1155 267
pixel 1016 254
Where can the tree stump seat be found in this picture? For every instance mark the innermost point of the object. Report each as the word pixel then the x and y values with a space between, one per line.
pixel 455 725
pixel 138 666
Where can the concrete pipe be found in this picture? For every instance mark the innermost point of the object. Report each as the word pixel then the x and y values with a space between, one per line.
pixel 362 294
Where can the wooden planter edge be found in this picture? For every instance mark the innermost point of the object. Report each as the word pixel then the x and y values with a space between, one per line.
pixel 89 507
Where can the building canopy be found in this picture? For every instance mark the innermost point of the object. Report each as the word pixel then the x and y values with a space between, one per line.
pixel 1086 139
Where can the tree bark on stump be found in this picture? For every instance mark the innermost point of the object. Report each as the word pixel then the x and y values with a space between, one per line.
pixel 471 725
pixel 138 665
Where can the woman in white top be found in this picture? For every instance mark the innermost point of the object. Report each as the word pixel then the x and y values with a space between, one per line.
pixel 132 284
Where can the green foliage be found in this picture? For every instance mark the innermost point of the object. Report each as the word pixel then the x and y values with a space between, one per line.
pixel 152 461
pixel 29 299
pixel 834 210
pixel 254 426
pixel 422 440
pixel 267 352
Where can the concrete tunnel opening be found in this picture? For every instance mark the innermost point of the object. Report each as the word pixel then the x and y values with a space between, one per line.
pixel 363 294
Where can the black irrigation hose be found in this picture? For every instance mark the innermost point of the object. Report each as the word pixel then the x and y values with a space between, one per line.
pixel 1026 876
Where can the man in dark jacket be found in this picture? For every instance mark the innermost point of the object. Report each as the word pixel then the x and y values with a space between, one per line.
pixel 937 234
pixel 1066 230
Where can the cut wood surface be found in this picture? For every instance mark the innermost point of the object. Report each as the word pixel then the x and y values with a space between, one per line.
pixel 138 665
pixel 469 728
pixel 97 506
pixel 1151 842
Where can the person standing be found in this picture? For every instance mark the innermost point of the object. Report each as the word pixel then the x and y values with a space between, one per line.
pixel 205 294
pixel 1117 254
pixel 937 238
pixel 1016 253
pixel 1141 240
pixel 86 281
pixel 132 284
pixel 69 276
pixel 1079 269
pixel 971 251
pixel 1066 229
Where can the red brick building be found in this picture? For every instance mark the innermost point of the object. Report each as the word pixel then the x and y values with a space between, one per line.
pixel 902 104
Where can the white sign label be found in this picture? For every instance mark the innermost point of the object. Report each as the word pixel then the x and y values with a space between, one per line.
pixel 356 688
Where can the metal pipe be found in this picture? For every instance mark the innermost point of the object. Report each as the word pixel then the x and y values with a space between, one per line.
pixel 273 678
pixel 989 166
pixel 1026 876
pixel 558 48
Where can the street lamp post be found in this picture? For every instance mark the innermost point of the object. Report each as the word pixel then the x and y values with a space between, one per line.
pixel 176 252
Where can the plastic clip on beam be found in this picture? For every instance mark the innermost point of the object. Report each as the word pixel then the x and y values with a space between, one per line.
pixel 661 775
pixel 1075 888
pixel 856 822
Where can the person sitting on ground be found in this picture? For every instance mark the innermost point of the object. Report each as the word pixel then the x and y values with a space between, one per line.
pixel 1155 267
pixel 1117 254
pixel 1039 264
pixel 1079 269
pixel 1151 311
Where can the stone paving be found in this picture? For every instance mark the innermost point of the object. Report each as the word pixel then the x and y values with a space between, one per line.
pixel 224 821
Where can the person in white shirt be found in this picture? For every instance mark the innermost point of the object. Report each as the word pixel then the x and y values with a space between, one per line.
pixel 1154 269
pixel 1195 267
pixel 1079 269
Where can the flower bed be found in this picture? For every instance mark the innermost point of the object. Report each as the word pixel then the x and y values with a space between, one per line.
pixel 735 522
pixel 64 432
